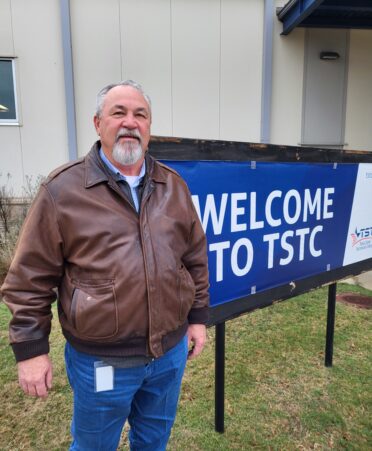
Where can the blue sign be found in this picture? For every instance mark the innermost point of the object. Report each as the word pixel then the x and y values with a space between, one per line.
pixel 268 224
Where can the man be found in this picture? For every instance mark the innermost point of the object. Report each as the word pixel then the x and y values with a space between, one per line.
pixel 118 237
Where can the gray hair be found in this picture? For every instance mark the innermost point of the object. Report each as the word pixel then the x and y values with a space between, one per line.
pixel 102 94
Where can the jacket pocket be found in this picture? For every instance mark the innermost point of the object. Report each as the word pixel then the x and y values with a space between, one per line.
pixel 94 309
pixel 186 292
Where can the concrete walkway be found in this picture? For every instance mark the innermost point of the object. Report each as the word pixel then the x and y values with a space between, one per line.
pixel 364 280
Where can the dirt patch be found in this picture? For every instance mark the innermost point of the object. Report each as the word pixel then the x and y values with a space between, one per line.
pixel 358 300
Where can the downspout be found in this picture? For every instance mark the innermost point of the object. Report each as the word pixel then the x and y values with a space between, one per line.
pixel 69 79
pixel 267 71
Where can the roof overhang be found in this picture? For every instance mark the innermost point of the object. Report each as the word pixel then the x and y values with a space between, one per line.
pixel 326 14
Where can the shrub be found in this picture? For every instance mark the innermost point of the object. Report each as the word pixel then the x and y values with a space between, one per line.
pixel 13 211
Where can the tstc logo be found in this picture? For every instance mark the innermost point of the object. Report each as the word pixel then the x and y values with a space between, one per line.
pixel 361 235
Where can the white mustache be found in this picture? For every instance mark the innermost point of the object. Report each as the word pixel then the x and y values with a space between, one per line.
pixel 126 132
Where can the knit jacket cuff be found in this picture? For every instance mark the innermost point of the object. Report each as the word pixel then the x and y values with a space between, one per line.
pixel 28 349
pixel 198 315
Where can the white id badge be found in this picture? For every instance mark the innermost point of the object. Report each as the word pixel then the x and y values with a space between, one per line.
pixel 103 377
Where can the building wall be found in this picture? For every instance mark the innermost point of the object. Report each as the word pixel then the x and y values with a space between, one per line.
pixel 32 35
pixel 200 60
pixel 287 85
pixel 96 52
pixel 358 130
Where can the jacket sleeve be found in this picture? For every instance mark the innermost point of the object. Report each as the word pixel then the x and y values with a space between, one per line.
pixel 196 261
pixel 35 272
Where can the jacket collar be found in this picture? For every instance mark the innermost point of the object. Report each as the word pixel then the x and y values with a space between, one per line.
pixel 95 171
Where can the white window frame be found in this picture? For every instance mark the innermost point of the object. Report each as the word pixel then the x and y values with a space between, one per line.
pixel 16 120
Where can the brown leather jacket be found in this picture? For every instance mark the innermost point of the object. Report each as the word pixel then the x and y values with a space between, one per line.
pixel 127 284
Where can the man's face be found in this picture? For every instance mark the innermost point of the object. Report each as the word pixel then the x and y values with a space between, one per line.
pixel 124 125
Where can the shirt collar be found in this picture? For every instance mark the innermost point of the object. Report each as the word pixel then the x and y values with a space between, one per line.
pixel 115 170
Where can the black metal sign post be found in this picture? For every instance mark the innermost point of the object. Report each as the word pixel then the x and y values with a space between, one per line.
pixel 219 386
pixel 331 313
pixel 220 357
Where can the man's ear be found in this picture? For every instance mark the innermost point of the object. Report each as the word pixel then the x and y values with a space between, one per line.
pixel 96 121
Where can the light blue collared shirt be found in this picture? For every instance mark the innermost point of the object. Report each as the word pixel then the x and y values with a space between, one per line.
pixel 132 180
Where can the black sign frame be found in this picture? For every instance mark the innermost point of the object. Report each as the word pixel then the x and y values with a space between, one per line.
pixel 182 149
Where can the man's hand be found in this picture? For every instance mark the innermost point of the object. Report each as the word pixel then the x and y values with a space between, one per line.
pixel 35 375
pixel 197 336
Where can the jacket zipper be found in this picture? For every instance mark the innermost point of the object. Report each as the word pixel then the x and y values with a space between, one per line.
pixel 144 199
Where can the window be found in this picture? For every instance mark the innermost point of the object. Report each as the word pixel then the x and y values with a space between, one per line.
pixel 8 103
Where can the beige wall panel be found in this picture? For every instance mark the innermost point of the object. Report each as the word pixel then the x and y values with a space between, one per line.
pixel 288 62
pixel 146 55
pixel 6 33
pixel 241 69
pixel 37 43
pixel 281 3
pixel 95 30
pixel 196 68
pixel 358 131
pixel 11 158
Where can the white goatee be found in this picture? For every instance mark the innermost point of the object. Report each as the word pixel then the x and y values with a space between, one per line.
pixel 127 153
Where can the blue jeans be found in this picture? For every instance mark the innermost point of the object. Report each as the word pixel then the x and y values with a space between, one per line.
pixel 146 395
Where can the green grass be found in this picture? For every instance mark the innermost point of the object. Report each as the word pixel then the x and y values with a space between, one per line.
pixel 279 395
